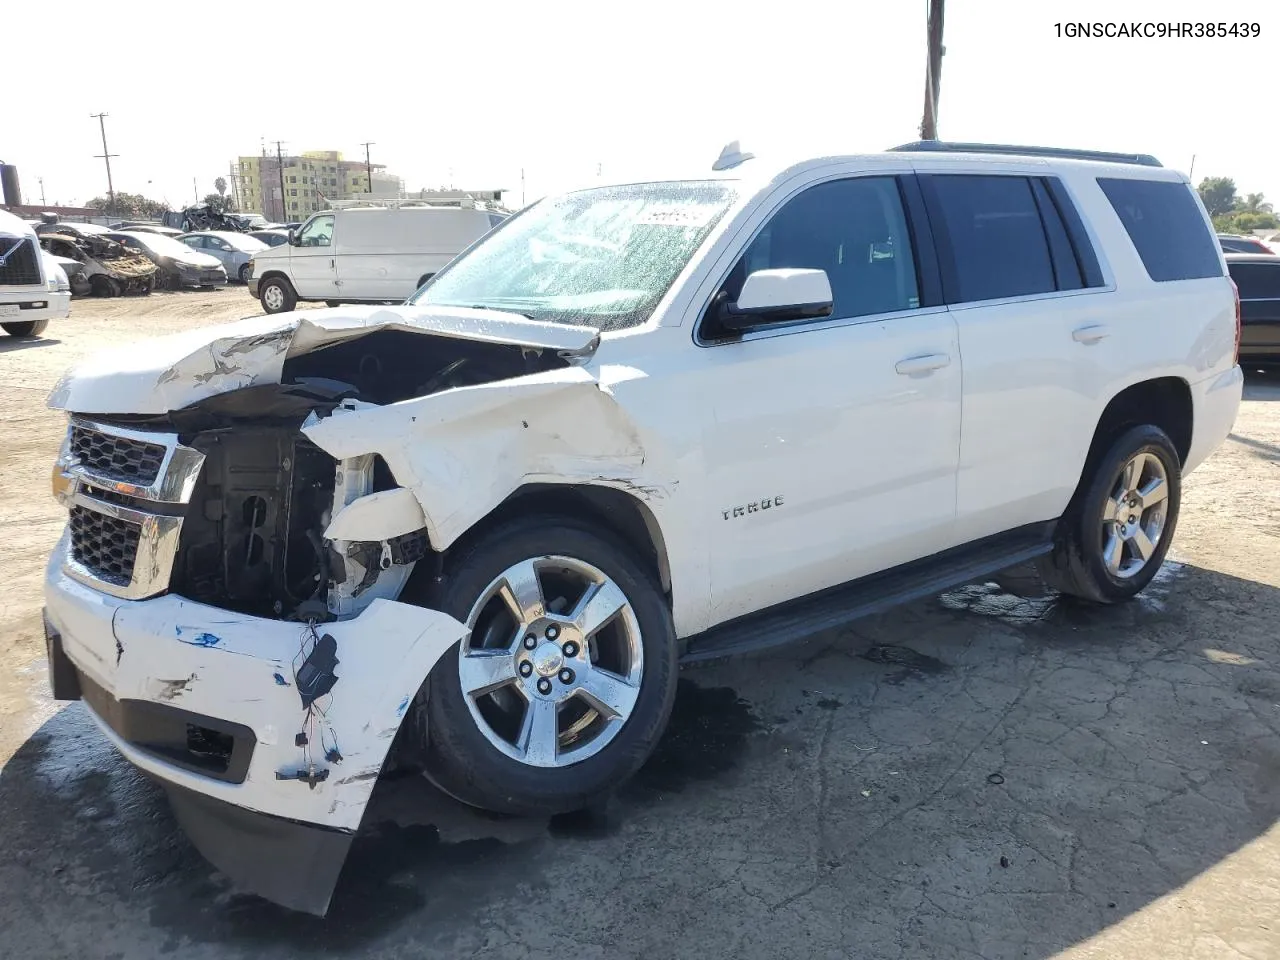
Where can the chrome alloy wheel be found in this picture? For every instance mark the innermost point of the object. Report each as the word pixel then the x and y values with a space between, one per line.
pixel 551 667
pixel 1133 517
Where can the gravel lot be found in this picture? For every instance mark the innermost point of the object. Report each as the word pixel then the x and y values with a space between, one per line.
pixel 970 776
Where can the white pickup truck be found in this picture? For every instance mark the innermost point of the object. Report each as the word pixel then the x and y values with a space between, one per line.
pixel 34 289
pixel 635 424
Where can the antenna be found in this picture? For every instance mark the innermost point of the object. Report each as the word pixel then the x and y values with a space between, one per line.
pixel 731 156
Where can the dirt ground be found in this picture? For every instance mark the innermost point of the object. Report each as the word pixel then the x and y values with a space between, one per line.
pixel 970 776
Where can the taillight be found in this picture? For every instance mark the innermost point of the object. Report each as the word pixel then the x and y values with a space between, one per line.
pixel 1236 293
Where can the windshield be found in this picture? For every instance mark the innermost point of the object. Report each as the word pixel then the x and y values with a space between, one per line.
pixel 160 245
pixel 600 258
pixel 242 242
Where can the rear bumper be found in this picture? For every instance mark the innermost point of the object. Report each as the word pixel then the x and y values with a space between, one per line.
pixel 208 702
pixel 1215 403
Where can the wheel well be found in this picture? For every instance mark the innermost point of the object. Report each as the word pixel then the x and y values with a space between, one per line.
pixel 1164 402
pixel 274 275
pixel 619 512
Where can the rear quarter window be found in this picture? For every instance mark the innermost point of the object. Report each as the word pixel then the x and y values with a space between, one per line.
pixel 1164 222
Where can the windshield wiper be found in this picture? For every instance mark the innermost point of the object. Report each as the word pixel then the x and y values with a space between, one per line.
pixel 485 306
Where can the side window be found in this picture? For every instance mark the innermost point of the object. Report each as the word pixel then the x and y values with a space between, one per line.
pixel 317 233
pixel 856 231
pixel 994 242
pixel 1166 226
pixel 196 243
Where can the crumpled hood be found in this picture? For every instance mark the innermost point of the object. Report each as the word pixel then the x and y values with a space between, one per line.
pixel 169 373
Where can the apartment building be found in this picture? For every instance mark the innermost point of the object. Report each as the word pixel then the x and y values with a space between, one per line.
pixel 310 181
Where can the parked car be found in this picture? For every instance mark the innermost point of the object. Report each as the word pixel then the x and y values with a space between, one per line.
pixel 233 250
pixel 1231 243
pixel 69 228
pixel 34 291
pixel 272 238
pixel 376 253
pixel 637 424
pixel 153 228
pixel 108 268
pixel 177 264
pixel 1257 277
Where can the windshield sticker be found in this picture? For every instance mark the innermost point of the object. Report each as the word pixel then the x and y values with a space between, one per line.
pixel 698 216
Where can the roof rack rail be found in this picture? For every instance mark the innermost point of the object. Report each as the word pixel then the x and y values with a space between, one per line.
pixel 941 146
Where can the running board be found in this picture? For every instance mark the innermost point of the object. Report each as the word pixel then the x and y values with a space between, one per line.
pixel 796 619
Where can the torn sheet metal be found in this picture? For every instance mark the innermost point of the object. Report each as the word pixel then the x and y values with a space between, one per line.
pixel 169 373
pixel 378 516
pixel 323 710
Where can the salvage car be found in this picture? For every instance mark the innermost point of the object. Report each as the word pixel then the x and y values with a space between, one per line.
pixel 65 228
pixel 234 251
pixel 109 269
pixel 34 290
pixel 177 265
pixel 634 425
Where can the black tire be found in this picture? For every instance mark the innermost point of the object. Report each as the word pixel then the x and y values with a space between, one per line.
pixel 103 286
pixel 244 273
pixel 1076 567
pixel 333 303
pixel 26 328
pixel 288 298
pixel 160 281
pixel 460 760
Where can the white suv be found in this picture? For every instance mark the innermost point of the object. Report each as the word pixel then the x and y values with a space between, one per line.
pixel 636 424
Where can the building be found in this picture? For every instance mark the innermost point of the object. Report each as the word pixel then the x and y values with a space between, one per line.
pixel 310 181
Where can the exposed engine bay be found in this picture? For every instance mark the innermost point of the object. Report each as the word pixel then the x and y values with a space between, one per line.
pixel 252 537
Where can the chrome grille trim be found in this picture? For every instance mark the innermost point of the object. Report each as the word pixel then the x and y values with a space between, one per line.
pixel 174 483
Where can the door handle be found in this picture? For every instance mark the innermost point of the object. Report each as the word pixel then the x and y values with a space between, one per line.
pixel 913 366
pixel 1091 334
pixel 332 264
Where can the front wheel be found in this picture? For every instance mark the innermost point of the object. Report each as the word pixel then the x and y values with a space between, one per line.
pixel 244 273
pixel 277 296
pixel 27 328
pixel 1116 533
pixel 565 682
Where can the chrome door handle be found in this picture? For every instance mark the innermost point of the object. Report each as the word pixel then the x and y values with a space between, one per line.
pixel 913 366
pixel 1088 335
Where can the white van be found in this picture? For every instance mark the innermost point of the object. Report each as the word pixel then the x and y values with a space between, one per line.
pixel 33 286
pixel 371 253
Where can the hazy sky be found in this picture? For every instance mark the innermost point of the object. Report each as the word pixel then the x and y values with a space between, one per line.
pixel 474 93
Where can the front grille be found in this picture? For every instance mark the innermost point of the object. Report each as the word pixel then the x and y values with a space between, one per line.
pixel 20 265
pixel 104 545
pixel 117 458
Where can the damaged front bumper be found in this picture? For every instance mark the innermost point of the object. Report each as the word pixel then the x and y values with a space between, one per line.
pixel 268 735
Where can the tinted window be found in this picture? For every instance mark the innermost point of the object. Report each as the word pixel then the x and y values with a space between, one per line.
pixel 1166 227
pixel 996 245
pixel 856 231
pixel 1257 281
pixel 1066 268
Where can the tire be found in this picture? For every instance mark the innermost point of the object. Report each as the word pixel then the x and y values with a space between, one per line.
pixel 160 281
pixel 461 755
pixel 103 286
pixel 26 328
pixel 244 273
pixel 1084 561
pixel 333 303
pixel 277 296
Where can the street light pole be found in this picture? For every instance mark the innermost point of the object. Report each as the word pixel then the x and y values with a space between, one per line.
pixel 106 156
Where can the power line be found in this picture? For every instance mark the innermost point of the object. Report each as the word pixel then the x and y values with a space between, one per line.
pixel 106 156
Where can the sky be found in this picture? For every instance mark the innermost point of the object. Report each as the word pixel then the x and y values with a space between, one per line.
pixel 567 92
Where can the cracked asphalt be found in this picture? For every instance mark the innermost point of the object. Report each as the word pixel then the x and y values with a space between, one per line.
pixel 972 776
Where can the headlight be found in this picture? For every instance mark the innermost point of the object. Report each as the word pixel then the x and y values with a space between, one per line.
pixel 64 484
pixel 187 267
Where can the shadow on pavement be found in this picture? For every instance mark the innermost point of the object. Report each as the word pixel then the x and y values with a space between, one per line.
pixel 976 775
pixel 10 344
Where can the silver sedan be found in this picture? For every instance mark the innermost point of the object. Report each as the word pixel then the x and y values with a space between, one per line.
pixel 234 250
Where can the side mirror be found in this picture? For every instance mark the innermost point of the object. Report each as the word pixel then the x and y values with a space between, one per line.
pixel 777 296
pixel 293 238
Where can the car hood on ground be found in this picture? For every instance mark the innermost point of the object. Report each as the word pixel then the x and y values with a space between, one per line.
pixel 169 373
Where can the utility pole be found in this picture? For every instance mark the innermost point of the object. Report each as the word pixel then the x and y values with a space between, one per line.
pixel 106 157
pixel 195 191
pixel 368 167
pixel 280 170
pixel 933 73
pixel 42 200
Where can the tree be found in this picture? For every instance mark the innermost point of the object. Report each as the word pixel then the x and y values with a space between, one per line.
pixel 1253 203
pixel 1218 194
pixel 217 202
pixel 129 206
pixel 1245 222
pixel 221 186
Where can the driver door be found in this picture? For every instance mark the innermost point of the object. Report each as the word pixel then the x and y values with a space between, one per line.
pixel 312 261
pixel 834 444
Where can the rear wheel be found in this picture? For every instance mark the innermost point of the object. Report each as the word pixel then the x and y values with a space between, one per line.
pixel 244 273
pixel 277 295
pixel 27 328
pixel 103 286
pixel 565 682
pixel 1116 533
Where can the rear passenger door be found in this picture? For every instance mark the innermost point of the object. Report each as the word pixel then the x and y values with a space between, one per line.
pixel 1020 277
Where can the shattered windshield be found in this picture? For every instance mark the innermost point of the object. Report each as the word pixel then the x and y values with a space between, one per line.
pixel 601 257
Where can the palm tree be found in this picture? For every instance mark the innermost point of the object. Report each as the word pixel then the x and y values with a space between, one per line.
pixel 1253 203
